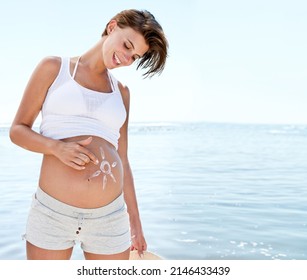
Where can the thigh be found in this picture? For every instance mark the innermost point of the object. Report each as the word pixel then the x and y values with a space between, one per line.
pixel 37 253
pixel 120 256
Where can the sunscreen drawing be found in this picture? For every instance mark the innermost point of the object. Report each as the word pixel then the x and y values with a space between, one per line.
pixel 105 169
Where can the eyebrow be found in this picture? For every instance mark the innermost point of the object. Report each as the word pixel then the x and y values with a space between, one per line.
pixel 134 48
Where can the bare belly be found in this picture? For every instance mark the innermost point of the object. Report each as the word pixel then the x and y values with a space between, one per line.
pixel 95 186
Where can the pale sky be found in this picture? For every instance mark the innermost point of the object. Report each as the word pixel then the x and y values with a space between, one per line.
pixel 229 60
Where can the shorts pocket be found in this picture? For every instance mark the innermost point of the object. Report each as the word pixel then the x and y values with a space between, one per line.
pixel 46 228
pixel 39 208
pixel 108 234
pixel 119 222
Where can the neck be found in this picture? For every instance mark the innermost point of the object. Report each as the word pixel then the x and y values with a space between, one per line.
pixel 93 58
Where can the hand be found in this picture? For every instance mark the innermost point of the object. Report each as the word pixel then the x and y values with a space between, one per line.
pixel 138 240
pixel 74 154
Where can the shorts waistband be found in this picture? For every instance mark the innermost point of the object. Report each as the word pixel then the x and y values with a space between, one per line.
pixel 72 211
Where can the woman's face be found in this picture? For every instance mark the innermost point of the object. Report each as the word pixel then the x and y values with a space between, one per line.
pixel 122 46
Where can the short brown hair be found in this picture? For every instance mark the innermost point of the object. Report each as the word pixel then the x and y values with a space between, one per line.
pixel 146 24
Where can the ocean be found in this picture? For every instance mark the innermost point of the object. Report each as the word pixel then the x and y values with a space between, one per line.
pixel 206 191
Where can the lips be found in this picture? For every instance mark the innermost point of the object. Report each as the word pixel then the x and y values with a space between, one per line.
pixel 116 59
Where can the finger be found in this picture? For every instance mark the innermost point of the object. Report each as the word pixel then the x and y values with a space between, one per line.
pixel 86 141
pixel 75 166
pixel 85 151
pixel 89 154
pixel 141 252
pixel 140 248
pixel 84 158
pixel 145 246
pixel 79 161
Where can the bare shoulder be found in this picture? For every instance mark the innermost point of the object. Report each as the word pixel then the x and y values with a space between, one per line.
pixel 43 76
pixel 45 72
pixel 50 64
pixel 36 90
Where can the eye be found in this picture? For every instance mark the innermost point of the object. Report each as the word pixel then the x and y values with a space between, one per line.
pixel 127 46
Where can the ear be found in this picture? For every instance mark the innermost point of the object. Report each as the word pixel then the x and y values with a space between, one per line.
pixel 111 26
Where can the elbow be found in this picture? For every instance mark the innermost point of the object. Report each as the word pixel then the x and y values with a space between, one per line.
pixel 12 133
pixel 15 133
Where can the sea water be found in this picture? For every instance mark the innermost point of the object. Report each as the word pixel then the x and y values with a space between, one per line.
pixel 205 190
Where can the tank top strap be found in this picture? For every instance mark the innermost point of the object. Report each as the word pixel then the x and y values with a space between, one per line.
pixel 75 69
pixel 64 64
pixel 114 82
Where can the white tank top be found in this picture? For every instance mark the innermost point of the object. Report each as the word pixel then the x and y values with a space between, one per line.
pixel 72 110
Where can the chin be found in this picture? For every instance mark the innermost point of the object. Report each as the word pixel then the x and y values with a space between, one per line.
pixel 112 65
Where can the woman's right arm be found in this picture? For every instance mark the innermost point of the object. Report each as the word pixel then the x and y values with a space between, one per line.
pixel 21 132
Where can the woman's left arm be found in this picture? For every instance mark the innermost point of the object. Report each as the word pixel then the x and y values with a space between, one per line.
pixel 137 235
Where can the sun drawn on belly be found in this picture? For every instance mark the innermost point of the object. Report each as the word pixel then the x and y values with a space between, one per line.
pixel 105 170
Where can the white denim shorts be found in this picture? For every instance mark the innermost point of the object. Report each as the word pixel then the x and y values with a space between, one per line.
pixel 54 225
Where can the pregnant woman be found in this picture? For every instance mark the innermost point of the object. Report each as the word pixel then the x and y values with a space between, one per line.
pixel 85 191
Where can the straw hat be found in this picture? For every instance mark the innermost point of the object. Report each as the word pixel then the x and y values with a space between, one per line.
pixel 146 256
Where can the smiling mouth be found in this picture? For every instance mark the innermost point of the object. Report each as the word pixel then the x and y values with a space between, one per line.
pixel 117 60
